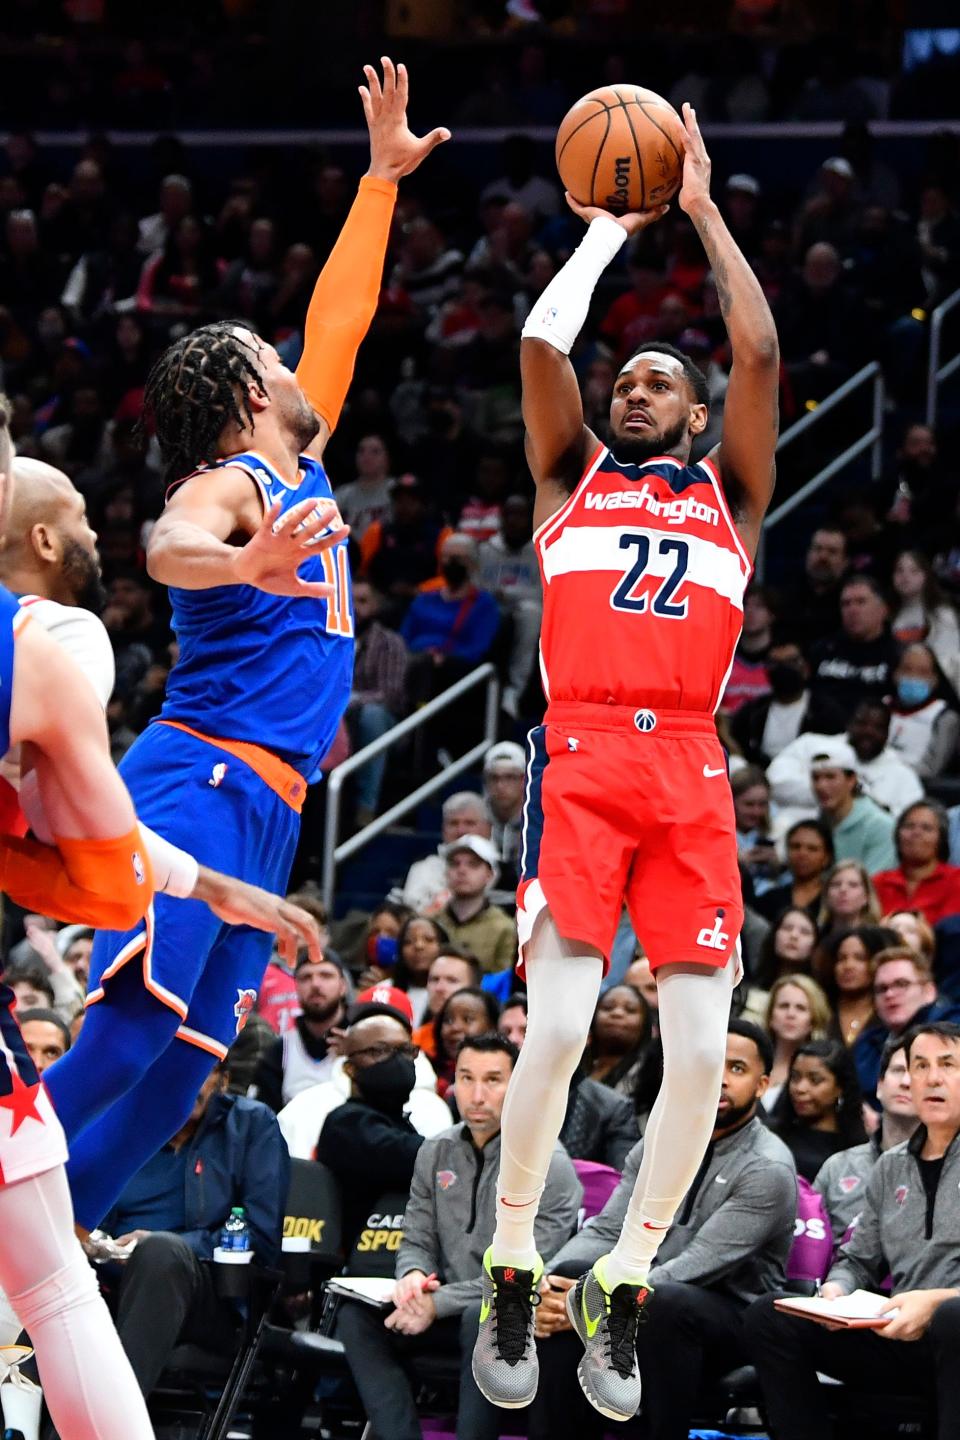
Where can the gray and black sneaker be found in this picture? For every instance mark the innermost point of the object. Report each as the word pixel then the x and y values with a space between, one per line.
pixel 606 1320
pixel 505 1364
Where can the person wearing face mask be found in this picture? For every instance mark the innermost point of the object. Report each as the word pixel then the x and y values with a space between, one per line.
pixel 925 725
pixel 765 725
pixel 368 1142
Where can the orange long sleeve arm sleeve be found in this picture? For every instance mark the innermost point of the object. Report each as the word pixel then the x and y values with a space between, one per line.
pixel 105 883
pixel 345 299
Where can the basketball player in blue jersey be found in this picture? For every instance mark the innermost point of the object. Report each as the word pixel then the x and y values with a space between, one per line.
pixel 254 552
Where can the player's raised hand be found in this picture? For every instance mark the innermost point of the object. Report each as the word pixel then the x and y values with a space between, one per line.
pixel 272 557
pixel 394 149
pixel 238 903
pixel 696 164
pixel 633 222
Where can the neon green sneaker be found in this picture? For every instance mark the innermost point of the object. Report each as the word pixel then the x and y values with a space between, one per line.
pixel 606 1321
pixel 505 1364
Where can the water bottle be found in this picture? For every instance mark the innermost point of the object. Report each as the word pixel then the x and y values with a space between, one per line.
pixel 235 1235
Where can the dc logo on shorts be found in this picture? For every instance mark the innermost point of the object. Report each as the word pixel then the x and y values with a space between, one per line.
pixel 645 721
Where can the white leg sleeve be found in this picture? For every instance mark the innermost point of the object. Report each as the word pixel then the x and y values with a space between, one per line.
pixel 562 990
pixel 694 1013
pixel 89 1386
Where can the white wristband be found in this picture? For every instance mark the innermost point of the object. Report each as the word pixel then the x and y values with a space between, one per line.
pixel 174 871
pixel 558 315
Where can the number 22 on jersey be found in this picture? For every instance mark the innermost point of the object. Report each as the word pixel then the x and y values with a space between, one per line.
pixel 661 603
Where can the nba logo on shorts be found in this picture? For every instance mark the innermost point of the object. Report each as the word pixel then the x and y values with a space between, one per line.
pixel 139 874
pixel 645 721
pixel 246 999
pixel 219 771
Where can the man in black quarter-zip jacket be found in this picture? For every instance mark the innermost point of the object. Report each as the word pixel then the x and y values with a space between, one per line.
pixel 448 1225
pixel 908 1228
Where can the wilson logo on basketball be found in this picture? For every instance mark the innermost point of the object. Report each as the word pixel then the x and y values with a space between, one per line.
pixel 620 197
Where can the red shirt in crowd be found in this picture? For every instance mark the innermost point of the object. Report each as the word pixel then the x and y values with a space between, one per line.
pixel 935 897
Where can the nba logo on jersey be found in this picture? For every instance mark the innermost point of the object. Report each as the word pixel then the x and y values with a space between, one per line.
pixel 645 721
pixel 246 999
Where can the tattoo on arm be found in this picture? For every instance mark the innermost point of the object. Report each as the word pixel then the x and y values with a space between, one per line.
pixel 718 266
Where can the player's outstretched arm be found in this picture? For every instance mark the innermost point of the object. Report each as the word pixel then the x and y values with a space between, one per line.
pixel 238 903
pixel 345 298
pixel 751 418
pixel 558 443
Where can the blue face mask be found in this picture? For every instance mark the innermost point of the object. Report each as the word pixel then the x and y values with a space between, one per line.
pixel 913 691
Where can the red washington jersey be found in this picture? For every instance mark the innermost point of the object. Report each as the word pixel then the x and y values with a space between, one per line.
pixel 643 582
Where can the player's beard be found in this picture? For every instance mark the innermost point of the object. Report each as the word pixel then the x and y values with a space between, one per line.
pixel 81 575
pixel 635 449
pixel 304 424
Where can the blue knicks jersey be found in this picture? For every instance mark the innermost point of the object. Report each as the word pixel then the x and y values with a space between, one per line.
pixel 273 670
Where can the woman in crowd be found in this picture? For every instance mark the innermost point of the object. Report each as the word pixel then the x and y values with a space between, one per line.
pixel 471 1011
pixel 797 1012
pixel 788 948
pixel 924 723
pixel 819 1110
pixel 418 945
pixel 180 282
pixel 913 930
pixel 809 857
pixel 924 613
pixel 923 880
pixel 848 898
pixel 843 967
pixel 380 944
pixel 619 1036
pixel 751 806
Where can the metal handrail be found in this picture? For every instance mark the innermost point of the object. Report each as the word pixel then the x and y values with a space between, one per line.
pixel 937 373
pixel 871 439
pixel 334 854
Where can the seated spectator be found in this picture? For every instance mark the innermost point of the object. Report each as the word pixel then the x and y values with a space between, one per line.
pixel 419 943
pixel 924 613
pixel 842 1178
pixel 31 986
pixel 884 775
pixel 509 570
pixel 763 726
pixel 728 1245
pixel 913 931
pixel 848 898
pixel 447 1228
pixel 369 1142
pixel 923 879
pixel 797 1013
pixel 401 553
pixel 180 282
pixel 451 630
pixel 814 605
pixel 788 947
pixel 75 942
pixel 504 776
pixel 907 1230
pixel 860 658
pixel 468 916
pixel 230 1152
pixel 924 724
pixel 367 498
pixel 751 808
pixel 819 324
pixel 512 1024
pixel 453 969
pixel 904 995
pixel 303 1120
pixel 861 830
pixel 809 846
pixel 46 1036
pixel 428 270
pixel 748 678
pixel 619 1035
pixel 302 1056
pixel 818 1111
pixel 378 698
pixel 844 967
pixel 425 888
pixel 641 977
pixel 379 946
pixel 468 1012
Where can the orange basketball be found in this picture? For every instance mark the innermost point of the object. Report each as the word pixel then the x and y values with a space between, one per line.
pixel 621 148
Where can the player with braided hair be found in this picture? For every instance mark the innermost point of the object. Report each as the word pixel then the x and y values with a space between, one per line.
pixel 254 552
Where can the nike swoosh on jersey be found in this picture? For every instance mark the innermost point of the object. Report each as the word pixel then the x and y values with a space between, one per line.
pixel 708 773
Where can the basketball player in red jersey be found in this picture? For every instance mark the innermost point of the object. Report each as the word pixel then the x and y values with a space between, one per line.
pixel 644 558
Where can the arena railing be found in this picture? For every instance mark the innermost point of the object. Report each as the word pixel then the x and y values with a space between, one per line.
pixel 937 373
pixel 335 854
pixel 871 439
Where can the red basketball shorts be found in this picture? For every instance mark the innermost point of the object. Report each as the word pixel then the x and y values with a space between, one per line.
pixel 631 806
